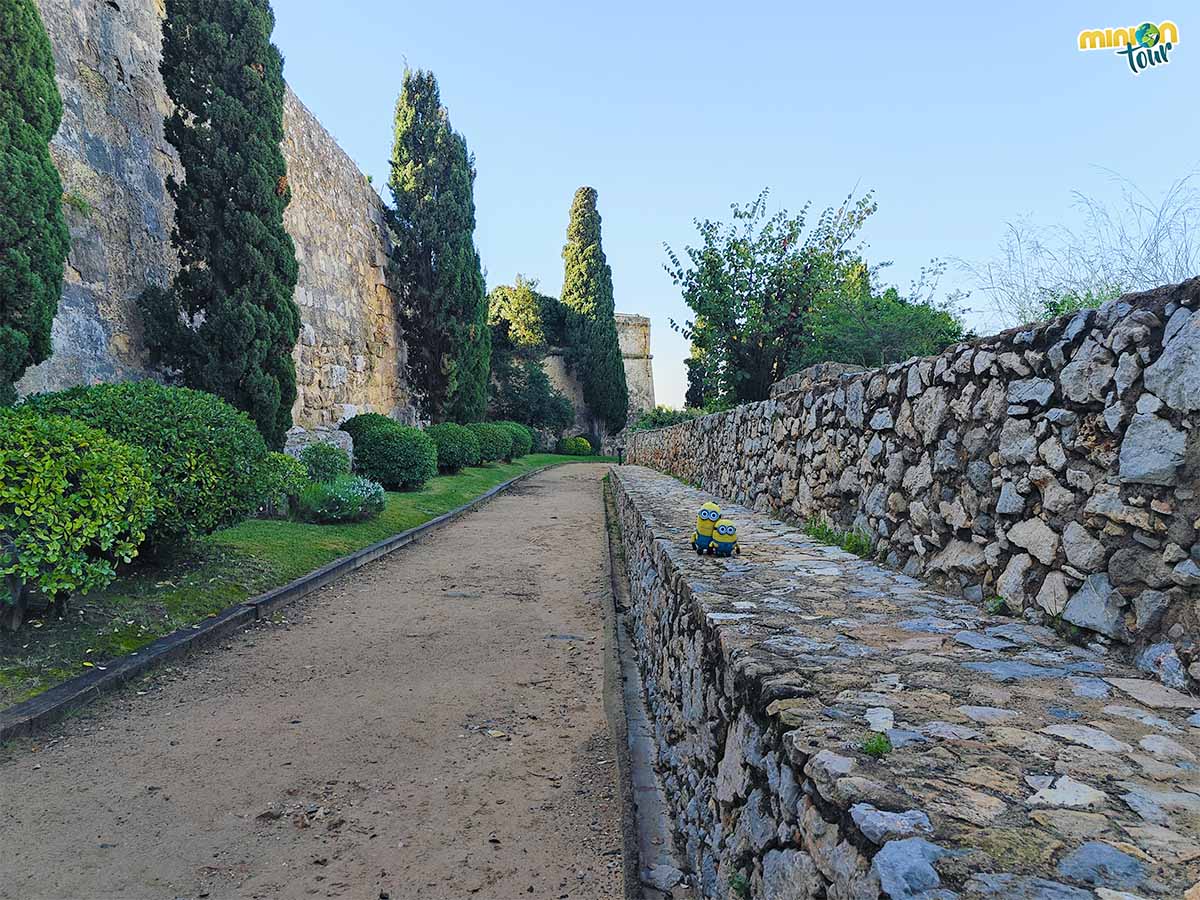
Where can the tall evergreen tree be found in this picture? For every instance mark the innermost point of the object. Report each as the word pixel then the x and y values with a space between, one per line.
pixel 595 351
pixel 432 183
pixel 228 323
pixel 33 233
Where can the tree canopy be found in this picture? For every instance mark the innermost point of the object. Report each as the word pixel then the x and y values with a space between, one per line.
pixel 34 240
pixel 591 327
pixel 770 296
pixel 228 323
pixel 436 263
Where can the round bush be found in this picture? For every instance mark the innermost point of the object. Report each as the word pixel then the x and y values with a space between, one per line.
pixel 203 453
pixel 397 456
pixel 575 446
pixel 348 498
pixel 364 422
pixel 495 441
pixel 522 438
pixel 73 502
pixel 456 445
pixel 325 462
pixel 281 478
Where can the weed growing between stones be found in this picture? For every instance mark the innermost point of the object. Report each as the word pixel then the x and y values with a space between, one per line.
pixel 877 746
pixel 854 541
pixel 996 606
pixel 739 886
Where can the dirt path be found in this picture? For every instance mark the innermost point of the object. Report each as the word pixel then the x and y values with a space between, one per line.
pixel 431 727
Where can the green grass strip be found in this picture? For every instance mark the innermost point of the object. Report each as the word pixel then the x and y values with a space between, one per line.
pixel 155 598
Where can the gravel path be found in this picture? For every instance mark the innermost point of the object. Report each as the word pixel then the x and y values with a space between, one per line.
pixel 431 727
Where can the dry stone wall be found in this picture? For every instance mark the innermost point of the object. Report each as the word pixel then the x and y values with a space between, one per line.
pixel 1055 466
pixel 826 727
pixel 115 160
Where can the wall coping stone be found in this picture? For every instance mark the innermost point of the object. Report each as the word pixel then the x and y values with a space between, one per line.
pixel 1020 763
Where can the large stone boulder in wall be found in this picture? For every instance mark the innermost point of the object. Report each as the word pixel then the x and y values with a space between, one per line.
pixel 298 438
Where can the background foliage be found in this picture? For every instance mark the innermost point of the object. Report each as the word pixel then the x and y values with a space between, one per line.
pixel 525 323
pixel 769 297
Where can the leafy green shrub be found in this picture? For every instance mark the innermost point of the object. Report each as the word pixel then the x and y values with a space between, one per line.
pixel 281 478
pixel 456 445
pixel 522 439
pixel 348 498
pixel 495 441
pixel 325 462
pixel 364 422
pixel 575 446
pixel 397 456
pixel 203 453
pixel 877 745
pixel 662 417
pixel 73 503
pixel 854 541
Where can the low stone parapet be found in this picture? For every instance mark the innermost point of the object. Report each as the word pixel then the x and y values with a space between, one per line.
pixel 830 728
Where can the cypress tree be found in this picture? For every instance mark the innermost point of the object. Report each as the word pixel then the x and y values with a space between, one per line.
pixel 228 323
pixel 436 263
pixel 593 346
pixel 34 240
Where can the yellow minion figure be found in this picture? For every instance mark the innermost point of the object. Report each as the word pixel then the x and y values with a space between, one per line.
pixel 724 539
pixel 706 520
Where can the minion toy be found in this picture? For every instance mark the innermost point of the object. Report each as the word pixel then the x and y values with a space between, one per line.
pixel 706 520
pixel 724 539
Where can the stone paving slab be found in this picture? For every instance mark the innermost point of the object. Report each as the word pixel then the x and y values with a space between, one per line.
pixel 1022 765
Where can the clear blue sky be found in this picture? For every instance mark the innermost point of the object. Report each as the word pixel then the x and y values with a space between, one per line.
pixel 961 117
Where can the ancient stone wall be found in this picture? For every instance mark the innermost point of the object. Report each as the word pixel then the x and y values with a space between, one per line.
pixel 633 333
pixel 351 357
pixel 115 159
pixel 1055 466
pixel 828 728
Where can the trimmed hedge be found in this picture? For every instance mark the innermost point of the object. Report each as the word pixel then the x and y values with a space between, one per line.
pixel 203 453
pixel 522 439
pixel 281 478
pixel 456 445
pixel 397 456
pixel 325 462
pixel 348 498
pixel 364 422
pixel 73 502
pixel 495 441
pixel 575 446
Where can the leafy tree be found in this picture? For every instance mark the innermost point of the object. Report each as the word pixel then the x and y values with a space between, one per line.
pixel 228 323
pixel 432 185
pixel 524 323
pixel 752 286
pixel 870 328
pixel 522 314
pixel 34 240
pixel 591 328
pixel 526 396
pixel 697 394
